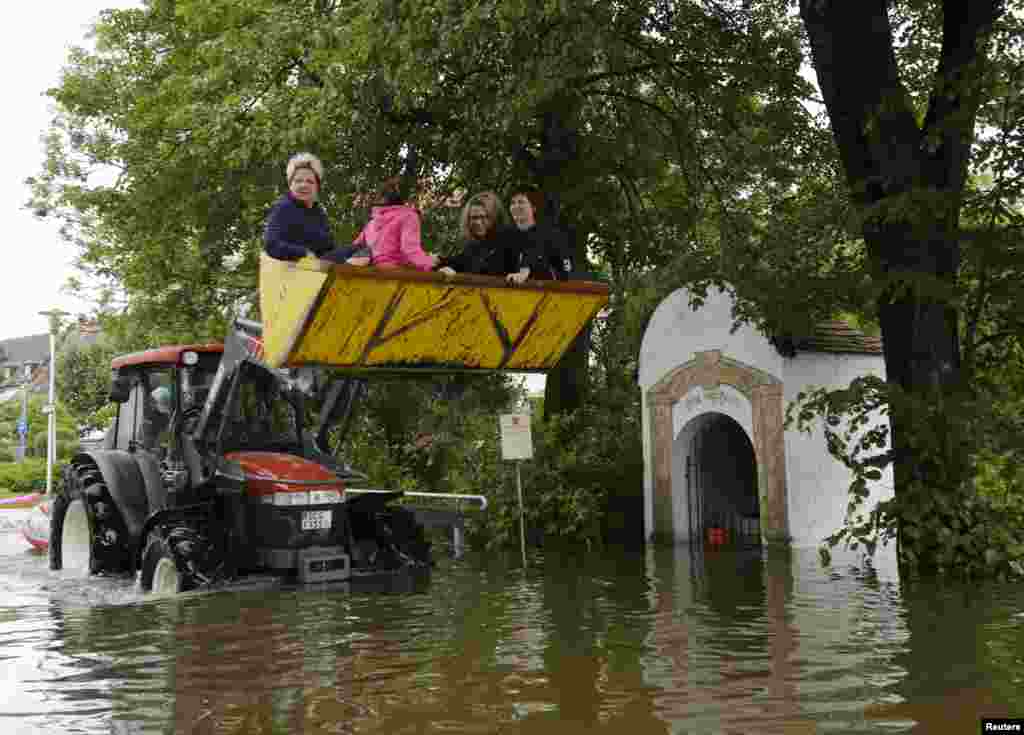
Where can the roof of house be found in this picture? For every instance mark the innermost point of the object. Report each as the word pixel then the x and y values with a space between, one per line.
pixel 839 337
pixel 85 333
pixel 19 350
pixel 36 347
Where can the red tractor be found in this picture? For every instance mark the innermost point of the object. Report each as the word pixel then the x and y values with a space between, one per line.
pixel 209 473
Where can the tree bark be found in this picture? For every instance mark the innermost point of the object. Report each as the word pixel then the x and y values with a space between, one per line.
pixel 566 387
pixel 907 179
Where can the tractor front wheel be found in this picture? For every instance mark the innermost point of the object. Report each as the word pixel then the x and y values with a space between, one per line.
pixel 162 572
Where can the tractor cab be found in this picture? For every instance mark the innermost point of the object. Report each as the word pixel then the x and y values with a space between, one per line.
pixel 154 388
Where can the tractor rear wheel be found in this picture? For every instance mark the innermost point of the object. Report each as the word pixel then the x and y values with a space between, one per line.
pixel 87 533
pixel 71 536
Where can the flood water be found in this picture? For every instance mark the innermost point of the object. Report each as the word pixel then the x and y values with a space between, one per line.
pixel 661 640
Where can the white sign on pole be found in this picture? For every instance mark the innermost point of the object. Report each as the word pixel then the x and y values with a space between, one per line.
pixel 516 439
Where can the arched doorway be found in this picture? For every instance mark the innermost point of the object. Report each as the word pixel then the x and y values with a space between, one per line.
pixel 761 392
pixel 717 483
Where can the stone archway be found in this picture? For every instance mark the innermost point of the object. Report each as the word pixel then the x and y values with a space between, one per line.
pixel 714 478
pixel 710 370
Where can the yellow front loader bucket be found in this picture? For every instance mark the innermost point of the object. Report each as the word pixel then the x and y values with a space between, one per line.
pixel 396 319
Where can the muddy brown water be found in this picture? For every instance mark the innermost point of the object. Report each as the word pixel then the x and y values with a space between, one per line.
pixel 658 640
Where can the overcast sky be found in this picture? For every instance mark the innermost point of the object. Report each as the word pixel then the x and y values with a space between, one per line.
pixel 34 42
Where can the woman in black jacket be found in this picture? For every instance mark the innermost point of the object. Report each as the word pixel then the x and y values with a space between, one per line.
pixel 491 246
pixel 544 250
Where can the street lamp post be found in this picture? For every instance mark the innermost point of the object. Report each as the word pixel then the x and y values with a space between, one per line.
pixel 51 408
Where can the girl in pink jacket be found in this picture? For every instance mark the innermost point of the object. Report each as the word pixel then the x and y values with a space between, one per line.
pixel 393 233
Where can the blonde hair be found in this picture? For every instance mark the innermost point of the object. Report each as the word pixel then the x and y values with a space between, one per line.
pixel 491 204
pixel 301 161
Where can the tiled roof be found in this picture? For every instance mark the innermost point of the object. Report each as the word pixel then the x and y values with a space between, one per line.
pixel 86 333
pixel 18 350
pixel 838 336
pixel 36 347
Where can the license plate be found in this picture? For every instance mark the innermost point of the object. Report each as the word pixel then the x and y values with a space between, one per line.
pixel 315 520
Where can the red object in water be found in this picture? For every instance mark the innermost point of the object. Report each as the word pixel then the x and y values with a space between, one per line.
pixel 37 528
pixel 21 501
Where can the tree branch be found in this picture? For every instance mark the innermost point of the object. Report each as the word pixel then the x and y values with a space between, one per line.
pixel 871 113
pixel 957 92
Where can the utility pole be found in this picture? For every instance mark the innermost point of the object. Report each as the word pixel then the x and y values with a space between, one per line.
pixel 51 408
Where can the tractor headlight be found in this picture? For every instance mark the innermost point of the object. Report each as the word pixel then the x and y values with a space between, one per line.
pixel 317 497
pixel 298 498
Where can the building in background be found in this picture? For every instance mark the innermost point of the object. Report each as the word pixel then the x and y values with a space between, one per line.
pixel 718 457
pixel 24 359
pixel 25 370
pixel 27 359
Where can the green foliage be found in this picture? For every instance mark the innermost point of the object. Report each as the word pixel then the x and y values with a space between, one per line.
pixel 580 461
pixel 67 428
pixel 83 383
pixel 969 523
pixel 432 437
pixel 428 434
pixel 28 476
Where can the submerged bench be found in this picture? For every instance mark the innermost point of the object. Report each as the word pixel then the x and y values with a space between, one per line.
pixel 398 319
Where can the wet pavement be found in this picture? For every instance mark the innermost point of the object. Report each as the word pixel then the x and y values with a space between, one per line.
pixel 666 640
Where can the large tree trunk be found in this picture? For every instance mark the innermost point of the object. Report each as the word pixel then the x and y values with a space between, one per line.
pixel 920 340
pixel 908 179
pixel 567 385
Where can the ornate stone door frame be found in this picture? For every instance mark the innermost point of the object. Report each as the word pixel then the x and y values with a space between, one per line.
pixel 709 370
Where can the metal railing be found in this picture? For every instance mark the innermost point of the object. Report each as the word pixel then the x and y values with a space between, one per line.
pixel 457 497
pixel 437 517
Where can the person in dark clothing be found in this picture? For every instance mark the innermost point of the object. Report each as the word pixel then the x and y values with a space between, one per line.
pixel 544 250
pixel 491 246
pixel 297 225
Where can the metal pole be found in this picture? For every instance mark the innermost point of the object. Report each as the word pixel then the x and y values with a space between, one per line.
pixel 458 540
pixel 51 418
pixel 522 517
pixel 51 428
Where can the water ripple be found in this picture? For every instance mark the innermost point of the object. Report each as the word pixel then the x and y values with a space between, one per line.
pixel 663 641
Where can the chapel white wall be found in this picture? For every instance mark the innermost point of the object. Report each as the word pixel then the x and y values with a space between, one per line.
pixel 816 483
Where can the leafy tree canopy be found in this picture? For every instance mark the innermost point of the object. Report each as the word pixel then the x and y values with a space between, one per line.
pixel 653 123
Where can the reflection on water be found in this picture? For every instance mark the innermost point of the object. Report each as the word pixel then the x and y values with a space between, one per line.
pixel 666 640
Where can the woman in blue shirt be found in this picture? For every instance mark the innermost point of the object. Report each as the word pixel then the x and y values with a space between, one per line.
pixel 297 225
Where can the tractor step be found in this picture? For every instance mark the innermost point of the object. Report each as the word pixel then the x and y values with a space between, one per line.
pixel 323 565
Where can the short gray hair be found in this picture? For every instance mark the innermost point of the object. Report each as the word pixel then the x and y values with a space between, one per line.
pixel 304 160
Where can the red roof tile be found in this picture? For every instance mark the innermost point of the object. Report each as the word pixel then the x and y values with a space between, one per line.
pixel 839 337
